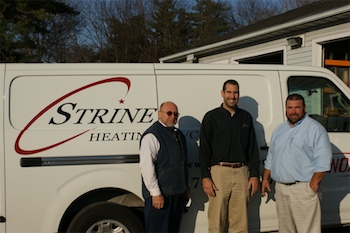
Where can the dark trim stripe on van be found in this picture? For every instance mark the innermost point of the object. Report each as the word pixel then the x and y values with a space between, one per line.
pixel 78 160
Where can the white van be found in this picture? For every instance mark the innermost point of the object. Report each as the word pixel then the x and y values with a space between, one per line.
pixel 70 138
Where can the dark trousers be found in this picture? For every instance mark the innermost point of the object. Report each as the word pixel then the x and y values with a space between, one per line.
pixel 167 219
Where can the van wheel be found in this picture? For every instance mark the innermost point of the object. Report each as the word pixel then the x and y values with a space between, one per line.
pixel 105 217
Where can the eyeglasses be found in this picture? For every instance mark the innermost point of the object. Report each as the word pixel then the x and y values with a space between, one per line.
pixel 169 113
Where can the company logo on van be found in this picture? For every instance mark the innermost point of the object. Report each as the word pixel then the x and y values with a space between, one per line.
pixel 28 152
pixel 340 166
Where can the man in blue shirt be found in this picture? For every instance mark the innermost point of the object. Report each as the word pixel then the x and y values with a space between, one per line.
pixel 299 156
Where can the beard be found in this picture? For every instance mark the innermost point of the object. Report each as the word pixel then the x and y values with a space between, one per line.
pixel 170 124
pixel 294 118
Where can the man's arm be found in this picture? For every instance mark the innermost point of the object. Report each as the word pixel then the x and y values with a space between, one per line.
pixel 204 157
pixel 253 161
pixel 265 182
pixel 205 148
pixel 253 153
pixel 322 158
pixel 316 179
pixel 148 155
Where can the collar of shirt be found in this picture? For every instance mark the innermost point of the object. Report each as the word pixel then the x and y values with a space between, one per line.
pixel 228 112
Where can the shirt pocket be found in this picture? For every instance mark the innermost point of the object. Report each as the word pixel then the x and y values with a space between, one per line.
pixel 301 144
pixel 302 151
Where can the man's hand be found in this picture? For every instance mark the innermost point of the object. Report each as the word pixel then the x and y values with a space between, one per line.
pixel 265 185
pixel 158 201
pixel 254 184
pixel 209 187
pixel 188 193
pixel 265 182
pixel 316 179
pixel 314 187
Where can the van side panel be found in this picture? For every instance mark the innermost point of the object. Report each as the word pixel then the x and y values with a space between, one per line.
pixel 71 130
pixel 197 91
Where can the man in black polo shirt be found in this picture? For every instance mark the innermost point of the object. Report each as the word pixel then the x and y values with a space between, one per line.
pixel 229 162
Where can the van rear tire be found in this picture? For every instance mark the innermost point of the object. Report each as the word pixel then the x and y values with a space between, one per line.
pixel 107 216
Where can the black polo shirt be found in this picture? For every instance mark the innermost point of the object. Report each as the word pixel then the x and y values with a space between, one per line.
pixel 226 138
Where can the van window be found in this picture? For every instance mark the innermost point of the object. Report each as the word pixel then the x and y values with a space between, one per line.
pixel 324 102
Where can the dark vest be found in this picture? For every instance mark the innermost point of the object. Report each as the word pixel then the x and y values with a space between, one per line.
pixel 171 164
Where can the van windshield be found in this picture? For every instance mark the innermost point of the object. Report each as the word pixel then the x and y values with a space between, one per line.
pixel 324 101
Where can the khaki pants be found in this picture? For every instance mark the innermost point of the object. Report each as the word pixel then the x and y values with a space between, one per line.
pixel 298 208
pixel 229 206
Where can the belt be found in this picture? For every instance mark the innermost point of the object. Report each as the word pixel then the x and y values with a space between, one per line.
pixel 232 165
pixel 290 183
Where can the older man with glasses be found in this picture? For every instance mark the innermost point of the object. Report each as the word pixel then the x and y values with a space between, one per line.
pixel 163 163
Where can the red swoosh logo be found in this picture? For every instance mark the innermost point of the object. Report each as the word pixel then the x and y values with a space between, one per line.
pixel 19 150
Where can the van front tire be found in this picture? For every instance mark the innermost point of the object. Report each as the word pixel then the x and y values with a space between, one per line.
pixel 105 217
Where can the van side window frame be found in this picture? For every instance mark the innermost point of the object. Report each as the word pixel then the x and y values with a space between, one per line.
pixel 324 101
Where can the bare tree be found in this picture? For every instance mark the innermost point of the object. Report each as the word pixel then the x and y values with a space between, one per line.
pixel 62 43
pixel 30 30
pixel 210 19
pixel 74 27
pixel 115 29
pixel 246 12
pixel 134 30
pixel 96 32
pixel 287 5
pixel 170 23
pixel 60 39
pixel 124 30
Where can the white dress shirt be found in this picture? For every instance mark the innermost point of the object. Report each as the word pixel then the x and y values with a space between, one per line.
pixel 148 157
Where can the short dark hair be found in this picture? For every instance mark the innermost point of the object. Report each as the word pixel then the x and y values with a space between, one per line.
pixel 230 81
pixel 296 97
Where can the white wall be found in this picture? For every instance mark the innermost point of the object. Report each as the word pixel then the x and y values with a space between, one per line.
pixel 310 54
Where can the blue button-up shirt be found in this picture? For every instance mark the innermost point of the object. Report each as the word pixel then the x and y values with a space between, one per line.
pixel 297 152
